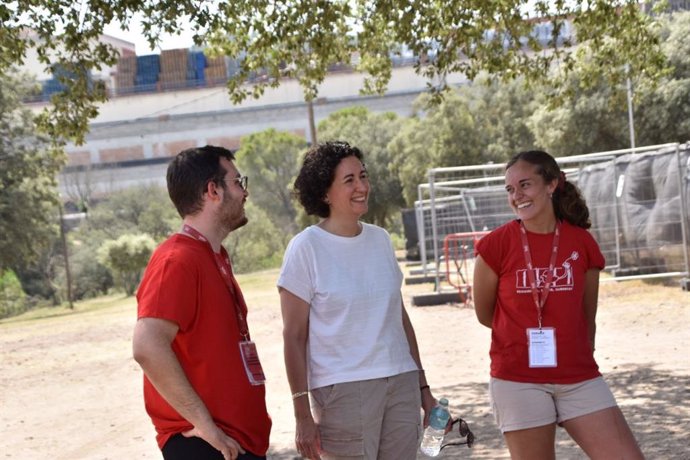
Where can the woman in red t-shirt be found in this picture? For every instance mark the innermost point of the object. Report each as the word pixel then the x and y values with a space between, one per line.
pixel 536 284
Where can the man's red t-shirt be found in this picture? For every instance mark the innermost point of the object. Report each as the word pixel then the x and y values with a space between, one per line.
pixel 516 311
pixel 182 284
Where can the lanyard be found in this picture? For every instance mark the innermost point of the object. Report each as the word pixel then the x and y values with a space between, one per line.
pixel 539 301
pixel 223 264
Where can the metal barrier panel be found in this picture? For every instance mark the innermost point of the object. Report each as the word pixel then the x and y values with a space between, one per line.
pixel 638 204
pixel 458 251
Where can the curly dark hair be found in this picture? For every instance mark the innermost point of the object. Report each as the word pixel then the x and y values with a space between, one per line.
pixel 317 174
pixel 568 203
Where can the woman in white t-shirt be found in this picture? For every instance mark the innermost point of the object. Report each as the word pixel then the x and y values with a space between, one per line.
pixel 348 340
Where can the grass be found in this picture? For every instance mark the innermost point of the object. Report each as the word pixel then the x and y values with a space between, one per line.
pixel 257 283
pixel 251 283
pixel 116 300
pixel 261 280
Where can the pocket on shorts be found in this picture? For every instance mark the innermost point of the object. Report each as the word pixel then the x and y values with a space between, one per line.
pixel 343 447
pixel 337 411
pixel 322 395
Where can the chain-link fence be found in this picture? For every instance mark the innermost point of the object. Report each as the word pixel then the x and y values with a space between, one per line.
pixel 638 200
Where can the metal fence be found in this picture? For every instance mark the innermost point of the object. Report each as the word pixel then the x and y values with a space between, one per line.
pixel 638 200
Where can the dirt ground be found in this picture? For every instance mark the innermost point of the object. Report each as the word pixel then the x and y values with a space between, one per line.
pixel 70 389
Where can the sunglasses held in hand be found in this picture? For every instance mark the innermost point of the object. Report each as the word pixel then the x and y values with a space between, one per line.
pixel 464 431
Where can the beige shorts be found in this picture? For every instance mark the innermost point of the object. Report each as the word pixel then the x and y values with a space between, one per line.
pixel 518 405
pixel 378 418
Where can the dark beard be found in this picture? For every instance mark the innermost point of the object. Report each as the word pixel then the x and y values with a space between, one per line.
pixel 232 224
pixel 241 223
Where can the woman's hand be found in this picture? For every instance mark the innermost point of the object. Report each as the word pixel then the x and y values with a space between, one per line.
pixel 307 439
pixel 428 403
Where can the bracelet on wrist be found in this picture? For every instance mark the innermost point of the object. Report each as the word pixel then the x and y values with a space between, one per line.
pixel 424 387
pixel 299 394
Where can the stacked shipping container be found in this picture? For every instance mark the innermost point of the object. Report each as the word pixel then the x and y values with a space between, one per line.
pixel 196 63
pixel 173 74
pixel 126 71
pixel 172 69
pixel 148 69
pixel 216 71
pixel 60 74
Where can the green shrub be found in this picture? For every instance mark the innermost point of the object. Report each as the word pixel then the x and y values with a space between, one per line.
pixel 258 245
pixel 12 296
pixel 398 241
pixel 126 257
pixel 90 278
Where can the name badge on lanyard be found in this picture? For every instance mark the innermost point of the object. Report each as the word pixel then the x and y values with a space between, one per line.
pixel 250 358
pixel 541 341
pixel 542 347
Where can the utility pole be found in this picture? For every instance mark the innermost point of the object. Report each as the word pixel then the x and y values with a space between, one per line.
pixel 631 123
pixel 65 254
pixel 312 124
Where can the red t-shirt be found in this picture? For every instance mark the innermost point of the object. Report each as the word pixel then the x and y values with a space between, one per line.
pixel 515 310
pixel 182 284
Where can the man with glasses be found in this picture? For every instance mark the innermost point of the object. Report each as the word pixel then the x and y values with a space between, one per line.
pixel 203 381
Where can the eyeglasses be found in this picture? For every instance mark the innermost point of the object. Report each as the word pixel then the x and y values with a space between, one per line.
pixel 243 181
pixel 464 431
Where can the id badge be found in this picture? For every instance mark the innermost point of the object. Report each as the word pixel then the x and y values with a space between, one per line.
pixel 252 365
pixel 542 347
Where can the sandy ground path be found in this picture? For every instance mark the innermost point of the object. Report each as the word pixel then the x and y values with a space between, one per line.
pixel 70 390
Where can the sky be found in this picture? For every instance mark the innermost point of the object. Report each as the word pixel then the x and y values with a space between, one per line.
pixel 135 35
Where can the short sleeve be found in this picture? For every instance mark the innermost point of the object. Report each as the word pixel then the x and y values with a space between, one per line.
pixel 391 252
pixel 168 291
pixel 295 273
pixel 595 257
pixel 489 249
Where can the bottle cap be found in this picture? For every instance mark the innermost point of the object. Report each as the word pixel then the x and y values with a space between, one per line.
pixel 443 402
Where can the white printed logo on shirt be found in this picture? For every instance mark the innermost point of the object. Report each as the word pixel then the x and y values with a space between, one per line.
pixel 562 276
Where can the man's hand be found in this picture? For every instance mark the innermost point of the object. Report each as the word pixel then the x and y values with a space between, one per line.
pixel 218 439
pixel 152 350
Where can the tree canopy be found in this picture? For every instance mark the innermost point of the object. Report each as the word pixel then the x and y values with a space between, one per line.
pixel 447 135
pixel 302 40
pixel 28 196
pixel 663 114
pixel 596 119
pixel 271 160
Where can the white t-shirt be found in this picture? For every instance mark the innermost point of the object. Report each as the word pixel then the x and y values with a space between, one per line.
pixel 355 318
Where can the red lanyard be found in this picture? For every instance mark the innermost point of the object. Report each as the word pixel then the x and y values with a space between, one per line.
pixel 223 264
pixel 539 300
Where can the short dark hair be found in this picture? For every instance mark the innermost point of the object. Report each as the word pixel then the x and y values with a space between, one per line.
pixel 189 173
pixel 568 203
pixel 317 174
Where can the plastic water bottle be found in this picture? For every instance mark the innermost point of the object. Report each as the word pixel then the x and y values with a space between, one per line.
pixel 434 433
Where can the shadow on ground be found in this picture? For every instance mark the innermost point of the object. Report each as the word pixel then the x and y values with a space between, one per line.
pixel 654 403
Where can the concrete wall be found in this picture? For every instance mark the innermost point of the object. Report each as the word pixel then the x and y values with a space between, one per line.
pixel 134 136
pixel 151 138
pixel 215 99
